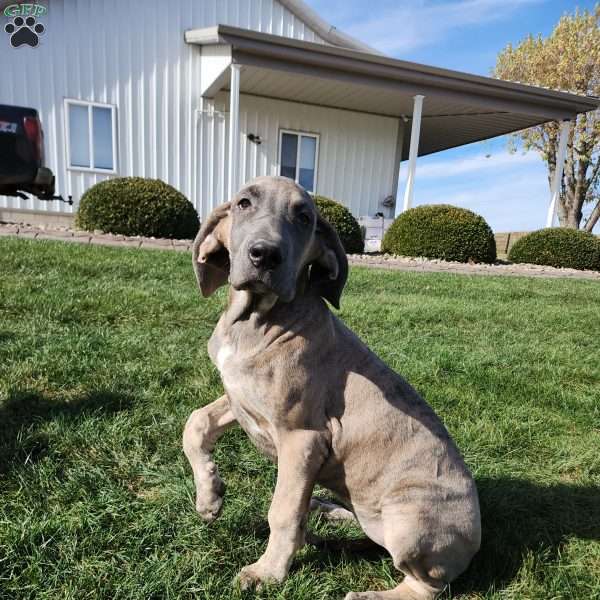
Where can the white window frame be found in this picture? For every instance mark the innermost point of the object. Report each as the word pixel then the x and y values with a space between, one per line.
pixel 297 133
pixel 90 105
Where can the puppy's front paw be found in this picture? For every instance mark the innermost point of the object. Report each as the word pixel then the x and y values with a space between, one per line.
pixel 209 510
pixel 255 576
pixel 209 500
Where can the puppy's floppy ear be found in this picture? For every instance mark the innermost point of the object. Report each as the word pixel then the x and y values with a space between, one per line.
pixel 329 270
pixel 210 252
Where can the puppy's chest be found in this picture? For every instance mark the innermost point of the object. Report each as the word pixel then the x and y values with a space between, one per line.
pixel 249 392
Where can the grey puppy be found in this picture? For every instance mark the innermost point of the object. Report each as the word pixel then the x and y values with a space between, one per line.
pixel 318 402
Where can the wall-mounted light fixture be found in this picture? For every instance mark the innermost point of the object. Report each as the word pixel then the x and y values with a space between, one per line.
pixel 254 138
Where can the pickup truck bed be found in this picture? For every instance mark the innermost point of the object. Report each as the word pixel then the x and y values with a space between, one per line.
pixel 22 154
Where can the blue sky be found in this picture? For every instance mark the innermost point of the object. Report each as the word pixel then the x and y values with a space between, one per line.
pixel 510 191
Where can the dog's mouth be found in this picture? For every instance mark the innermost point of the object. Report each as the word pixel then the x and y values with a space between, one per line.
pixel 256 287
pixel 264 284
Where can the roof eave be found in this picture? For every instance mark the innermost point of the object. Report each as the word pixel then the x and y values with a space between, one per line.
pixel 255 46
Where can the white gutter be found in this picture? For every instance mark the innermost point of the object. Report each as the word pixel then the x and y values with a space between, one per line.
pixel 328 32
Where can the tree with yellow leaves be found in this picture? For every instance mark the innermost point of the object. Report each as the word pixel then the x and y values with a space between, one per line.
pixel 568 59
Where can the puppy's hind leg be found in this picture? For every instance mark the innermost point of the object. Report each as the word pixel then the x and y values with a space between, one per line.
pixel 331 511
pixel 203 428
pixel 426 575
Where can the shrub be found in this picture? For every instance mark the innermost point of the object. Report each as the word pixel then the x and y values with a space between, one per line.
pixel 343 222
pixel 441 231
pixel 557 247
pixel 137 206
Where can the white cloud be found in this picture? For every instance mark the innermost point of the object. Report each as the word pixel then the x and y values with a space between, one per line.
pixel 423 22
pixel 453 167
pixel 512 197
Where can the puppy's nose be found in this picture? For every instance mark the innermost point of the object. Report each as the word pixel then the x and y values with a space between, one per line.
pixel 264 255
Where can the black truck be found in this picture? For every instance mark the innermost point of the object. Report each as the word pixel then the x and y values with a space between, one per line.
pixel 22 154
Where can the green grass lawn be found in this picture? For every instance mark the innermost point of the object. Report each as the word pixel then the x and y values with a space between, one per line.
pixel 103 357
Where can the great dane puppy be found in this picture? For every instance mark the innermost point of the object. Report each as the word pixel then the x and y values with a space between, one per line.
pixel 318 402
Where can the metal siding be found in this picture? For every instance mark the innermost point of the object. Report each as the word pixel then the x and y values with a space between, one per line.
pixel 134 57
pixel 356 150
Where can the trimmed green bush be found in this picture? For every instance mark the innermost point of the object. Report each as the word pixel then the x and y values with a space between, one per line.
pixel 558 247
pixel 137 206
pixel 343 222
pixel 441 231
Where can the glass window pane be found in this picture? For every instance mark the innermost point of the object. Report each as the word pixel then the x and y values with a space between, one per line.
pixel 79 142
pixel 289 152
pixel 102 134
pixel 308 154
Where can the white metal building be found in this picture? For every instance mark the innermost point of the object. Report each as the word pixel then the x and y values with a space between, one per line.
pixel 206 94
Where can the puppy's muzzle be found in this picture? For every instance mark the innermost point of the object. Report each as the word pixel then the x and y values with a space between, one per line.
pixel 265 256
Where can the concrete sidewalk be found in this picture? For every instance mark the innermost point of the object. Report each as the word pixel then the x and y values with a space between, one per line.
pixel 398 263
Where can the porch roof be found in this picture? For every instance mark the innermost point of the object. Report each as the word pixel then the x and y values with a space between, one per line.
pixel 459 108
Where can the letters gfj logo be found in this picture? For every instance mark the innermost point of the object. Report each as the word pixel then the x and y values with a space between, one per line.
pixel 24 27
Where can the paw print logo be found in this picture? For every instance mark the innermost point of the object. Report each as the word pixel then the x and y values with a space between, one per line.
pixel 24 31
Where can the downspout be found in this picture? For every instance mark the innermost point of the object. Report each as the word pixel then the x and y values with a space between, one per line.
pixel 197 157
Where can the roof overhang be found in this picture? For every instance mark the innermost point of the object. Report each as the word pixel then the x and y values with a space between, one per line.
pixel 459 108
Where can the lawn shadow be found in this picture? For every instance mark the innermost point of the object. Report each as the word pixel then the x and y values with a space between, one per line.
pixel 518 517
pixel 22 414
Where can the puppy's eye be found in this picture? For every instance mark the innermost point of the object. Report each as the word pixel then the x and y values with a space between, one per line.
pixel 303 218
pixel 244 203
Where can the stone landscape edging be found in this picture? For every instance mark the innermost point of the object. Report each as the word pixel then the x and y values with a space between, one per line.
pixel 398 263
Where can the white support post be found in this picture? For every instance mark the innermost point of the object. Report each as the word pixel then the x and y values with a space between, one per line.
pixel 415 133
pixel 234 130
pixel 561 154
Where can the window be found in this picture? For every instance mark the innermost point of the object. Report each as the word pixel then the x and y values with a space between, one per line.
pixel 298 157
pixel 91 136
